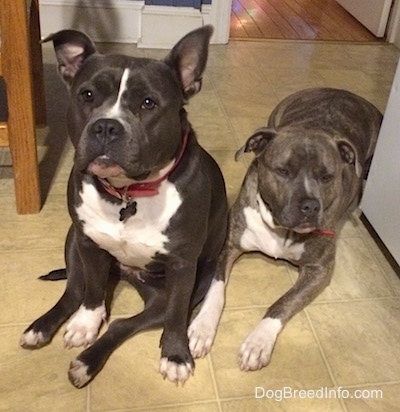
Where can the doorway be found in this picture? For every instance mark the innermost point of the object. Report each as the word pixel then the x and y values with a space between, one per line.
pixel 295 20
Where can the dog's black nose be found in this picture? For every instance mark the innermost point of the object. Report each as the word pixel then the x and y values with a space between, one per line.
pixel 106 129
pixel 310 207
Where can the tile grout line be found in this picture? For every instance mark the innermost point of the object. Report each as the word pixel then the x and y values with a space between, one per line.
pixel 324 356
pixel 227 117
pixel 369 384
pixel 214 381
pixel 159 407
pixel 319 303
pixel 88 399
pixel 372 250
pixel 29 250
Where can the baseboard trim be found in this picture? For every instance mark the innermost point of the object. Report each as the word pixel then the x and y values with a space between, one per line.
pixel 391 260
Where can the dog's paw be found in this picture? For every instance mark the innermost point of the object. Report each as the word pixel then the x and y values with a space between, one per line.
pixel 32 340
pixel 201 334
pixel 78 373
pixel 83 328
pixel 202 330
pixel 174 371
pixel 256 350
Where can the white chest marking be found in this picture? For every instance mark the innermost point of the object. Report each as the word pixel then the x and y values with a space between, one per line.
pixel 262 235
pixel 135 241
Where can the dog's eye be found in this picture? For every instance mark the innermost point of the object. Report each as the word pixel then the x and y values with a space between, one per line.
pixel 148 104
pixel 87 95
pixel 281 171
pixel 326 178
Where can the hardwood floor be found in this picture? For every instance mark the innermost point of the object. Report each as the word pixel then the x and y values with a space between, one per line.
pixel 295 19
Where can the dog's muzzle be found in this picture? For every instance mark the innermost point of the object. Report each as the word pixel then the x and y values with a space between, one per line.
pixel 106 130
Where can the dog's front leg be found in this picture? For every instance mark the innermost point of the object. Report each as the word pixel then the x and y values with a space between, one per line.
pixel 42 330
pixel 256 350
pixel 176 361
pixel 203 328
pixel 83 327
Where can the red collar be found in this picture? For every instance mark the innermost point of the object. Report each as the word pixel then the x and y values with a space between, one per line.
pixel 142 189
pixel 322 232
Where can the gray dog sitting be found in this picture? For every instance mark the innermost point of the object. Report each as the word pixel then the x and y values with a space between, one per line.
pixel 309 167
pixel 143 195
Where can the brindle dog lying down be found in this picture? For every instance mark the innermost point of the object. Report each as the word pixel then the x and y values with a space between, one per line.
pixel 309 165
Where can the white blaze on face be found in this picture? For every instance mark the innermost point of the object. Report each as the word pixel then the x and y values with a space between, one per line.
pixel 311 188
pixel 115 111
pixel 307 186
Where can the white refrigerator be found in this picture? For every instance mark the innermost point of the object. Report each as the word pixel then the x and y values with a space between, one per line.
pixel 381 200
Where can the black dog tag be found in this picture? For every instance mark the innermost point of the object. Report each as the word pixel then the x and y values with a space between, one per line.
pixel 127 211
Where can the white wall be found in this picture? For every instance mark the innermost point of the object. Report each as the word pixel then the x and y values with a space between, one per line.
pixel 129 21
pixel 103 20
pixel 393 33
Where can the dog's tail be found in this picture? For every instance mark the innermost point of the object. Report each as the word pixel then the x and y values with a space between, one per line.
pixel 58 274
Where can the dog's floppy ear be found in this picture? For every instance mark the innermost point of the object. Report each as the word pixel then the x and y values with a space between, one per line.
pixel 257 142
pixel 349 155
pixel 189 57
pixel 72 48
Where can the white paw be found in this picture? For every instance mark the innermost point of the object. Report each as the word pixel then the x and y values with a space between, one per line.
pixel 83 328
pixel 202 330
pixel 78 373
pixel 256 350
pixel 32 339
pixel 175 372
pixel 201 334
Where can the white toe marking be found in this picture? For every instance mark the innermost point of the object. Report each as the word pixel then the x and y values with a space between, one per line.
pixel 31 339
pixel 256 350
pixel 83 328
pixel 203 328
pixel 175 372
pixel 78 373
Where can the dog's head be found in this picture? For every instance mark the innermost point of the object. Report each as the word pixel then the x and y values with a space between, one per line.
pixel 125 116
pixel 305 178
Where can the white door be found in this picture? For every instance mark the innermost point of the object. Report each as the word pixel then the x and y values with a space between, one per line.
pixel 220 18
pixel 381 201
pixel 373 14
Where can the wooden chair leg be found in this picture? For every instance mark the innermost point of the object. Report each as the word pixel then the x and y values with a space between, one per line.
pixel 37 65
pixel 17 71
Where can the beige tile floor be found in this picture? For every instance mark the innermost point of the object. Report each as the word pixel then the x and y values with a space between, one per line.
pixel 348 338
